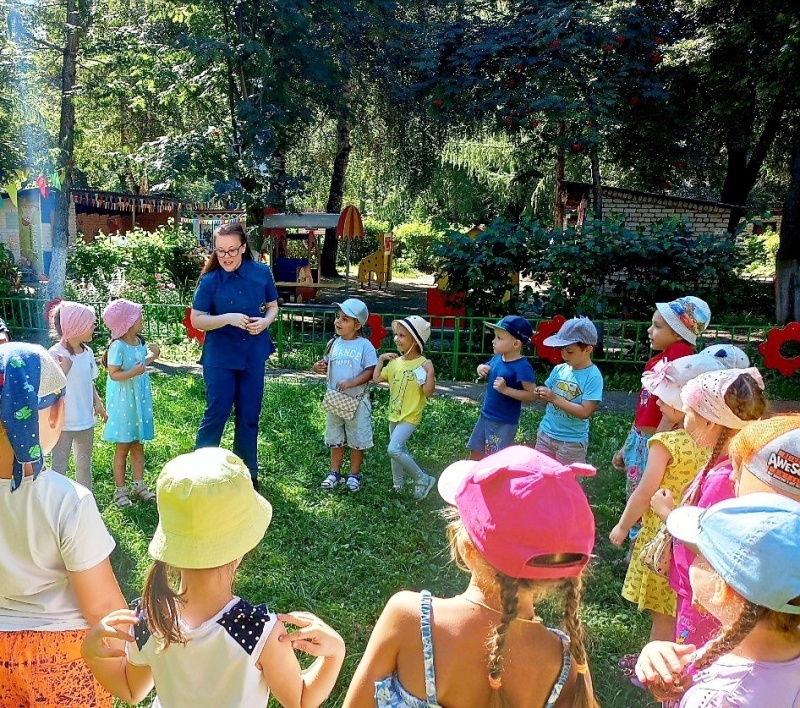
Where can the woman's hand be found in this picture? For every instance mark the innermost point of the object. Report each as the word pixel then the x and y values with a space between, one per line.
pixel 320 367
pixel 314 636
pixel 238 319
pixel 344 385
pixel 257 325
pixel 116 625
pixel 617 462
pixel 618 535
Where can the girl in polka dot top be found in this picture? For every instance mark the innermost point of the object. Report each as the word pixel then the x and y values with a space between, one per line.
pixel 189 635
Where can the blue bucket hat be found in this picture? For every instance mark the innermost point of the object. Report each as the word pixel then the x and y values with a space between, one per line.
pixel 753 542
pixel 30 381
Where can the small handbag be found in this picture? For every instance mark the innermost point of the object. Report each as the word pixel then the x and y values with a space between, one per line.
pixel 337 402
pixel 657 553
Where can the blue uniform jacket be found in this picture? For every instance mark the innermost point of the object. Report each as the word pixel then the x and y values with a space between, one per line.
pixel 248 289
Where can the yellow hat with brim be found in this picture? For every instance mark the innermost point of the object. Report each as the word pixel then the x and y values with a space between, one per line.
pixel 209 513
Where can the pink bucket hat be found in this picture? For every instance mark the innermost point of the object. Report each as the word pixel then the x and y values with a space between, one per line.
pixel 526 513
pixel 119 316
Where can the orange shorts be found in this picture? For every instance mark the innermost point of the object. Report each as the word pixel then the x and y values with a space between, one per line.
pixel 46 669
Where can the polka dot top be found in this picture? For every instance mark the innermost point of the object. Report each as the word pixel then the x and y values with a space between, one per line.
pixel 216 668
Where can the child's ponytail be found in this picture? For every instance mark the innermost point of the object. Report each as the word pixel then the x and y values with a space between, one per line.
pixel 584 695
pixel 160 604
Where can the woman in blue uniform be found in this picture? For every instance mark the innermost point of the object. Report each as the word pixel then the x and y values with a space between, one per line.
pixel 234 304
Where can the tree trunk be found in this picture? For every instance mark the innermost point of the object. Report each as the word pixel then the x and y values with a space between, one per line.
pixel 336 193
pixel 66 146
pixel 559 208
pixel 597 195
pixel 787 259
pixel 745 160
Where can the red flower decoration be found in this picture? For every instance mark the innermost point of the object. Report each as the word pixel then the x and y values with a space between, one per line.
pixel 377 330
pixel 545 329
pixel 193 333
pixel 771 349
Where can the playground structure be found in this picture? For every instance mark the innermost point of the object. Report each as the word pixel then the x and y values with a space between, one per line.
pixel 377 267
pixel 298 278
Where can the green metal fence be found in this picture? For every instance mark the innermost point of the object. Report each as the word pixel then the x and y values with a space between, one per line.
pixel 457 344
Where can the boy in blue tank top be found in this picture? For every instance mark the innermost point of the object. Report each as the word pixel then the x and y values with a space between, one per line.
pixel 510 382
pixel 572 392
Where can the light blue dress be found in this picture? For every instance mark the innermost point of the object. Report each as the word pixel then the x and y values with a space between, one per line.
pixel 129 403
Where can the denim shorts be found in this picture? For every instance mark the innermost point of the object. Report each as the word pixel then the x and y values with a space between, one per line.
pixel 489 436
pixel 565 452
pixel 356 433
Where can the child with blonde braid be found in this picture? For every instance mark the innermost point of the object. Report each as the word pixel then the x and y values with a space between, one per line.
pixel 73 325
pixel 717 404
pixel 746 574
pixel 522 527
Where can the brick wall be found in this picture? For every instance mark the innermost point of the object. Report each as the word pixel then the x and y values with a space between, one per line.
pixel 645 209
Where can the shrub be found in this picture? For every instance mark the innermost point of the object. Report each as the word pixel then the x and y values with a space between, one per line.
pixel 414 244
pixel 603 268
pixel 155 267
pixel 482 269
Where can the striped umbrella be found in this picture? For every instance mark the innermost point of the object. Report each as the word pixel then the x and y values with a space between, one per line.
pixel 349 227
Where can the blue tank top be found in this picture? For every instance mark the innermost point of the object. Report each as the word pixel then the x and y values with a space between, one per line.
pixel 389 692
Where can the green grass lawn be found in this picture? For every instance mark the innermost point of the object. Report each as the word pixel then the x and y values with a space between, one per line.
pixel 342 555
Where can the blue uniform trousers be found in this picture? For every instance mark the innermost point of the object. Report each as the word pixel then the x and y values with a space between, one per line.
pixel 242 390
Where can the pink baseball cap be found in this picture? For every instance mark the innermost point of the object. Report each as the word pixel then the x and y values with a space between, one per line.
pixel 120 315
pixel 526 513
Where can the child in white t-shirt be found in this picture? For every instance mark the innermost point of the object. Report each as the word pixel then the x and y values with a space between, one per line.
pixel 349 363
pixel 55 574
pixel 73 325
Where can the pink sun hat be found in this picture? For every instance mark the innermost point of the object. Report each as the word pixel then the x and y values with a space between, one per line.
pixel 120 315
pixel 526 513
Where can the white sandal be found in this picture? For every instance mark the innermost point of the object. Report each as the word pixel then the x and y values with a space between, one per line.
pixel 143 493
pixel 122 498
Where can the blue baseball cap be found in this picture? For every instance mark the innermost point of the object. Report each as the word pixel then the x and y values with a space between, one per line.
pixel 752 541
pixel 518 327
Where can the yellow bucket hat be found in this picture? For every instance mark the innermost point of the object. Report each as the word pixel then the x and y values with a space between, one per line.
pixel 209 513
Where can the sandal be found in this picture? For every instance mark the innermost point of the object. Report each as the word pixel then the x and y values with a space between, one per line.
pixel 121 498
pixel 332 480
pixel 353 482
pixel 142 493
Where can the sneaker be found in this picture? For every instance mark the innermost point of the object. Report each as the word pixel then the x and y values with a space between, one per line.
pixel 122 497
pixel 353 482
pixel 332 480
pixel 423 487
pixel 627 665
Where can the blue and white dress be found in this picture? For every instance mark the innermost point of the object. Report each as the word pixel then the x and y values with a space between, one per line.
pixel 129 403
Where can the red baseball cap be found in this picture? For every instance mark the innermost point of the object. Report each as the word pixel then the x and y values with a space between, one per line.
pixel 526 513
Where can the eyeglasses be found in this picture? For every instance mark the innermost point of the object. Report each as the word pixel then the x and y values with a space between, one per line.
pixel 230 253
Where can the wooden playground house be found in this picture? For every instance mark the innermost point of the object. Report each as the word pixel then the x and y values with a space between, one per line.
pixel 293 253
